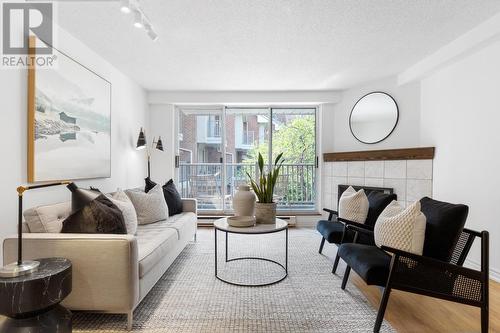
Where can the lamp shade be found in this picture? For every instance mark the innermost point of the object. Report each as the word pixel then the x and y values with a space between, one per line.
pixel 159 144
pixel 141 140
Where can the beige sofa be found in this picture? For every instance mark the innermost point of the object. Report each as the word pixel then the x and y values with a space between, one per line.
pixel 111 273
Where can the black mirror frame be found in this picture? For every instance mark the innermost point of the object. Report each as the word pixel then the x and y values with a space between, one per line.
pixel 393 128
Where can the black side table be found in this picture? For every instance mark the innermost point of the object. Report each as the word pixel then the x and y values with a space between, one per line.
pixel 30 303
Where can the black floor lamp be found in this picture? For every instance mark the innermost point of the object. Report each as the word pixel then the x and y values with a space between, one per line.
pixel 23 267
pixel 142 143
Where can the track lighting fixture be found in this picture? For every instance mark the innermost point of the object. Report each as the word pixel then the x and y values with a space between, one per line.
pixel 125 6
pixel 140 19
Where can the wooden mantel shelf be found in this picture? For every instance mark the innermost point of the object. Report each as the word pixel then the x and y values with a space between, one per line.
pixel 425 153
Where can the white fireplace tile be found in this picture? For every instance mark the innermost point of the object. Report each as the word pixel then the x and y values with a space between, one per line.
pixel 328 169
pixel 339 169
pixel 328 184
pixel 374 169
pixel 359 181
pixel 327 201
pixel 375 182
pixel 338 181
pixel 395 169
pixel 356 169
pixel 419 169
pixel 418 188
pixel 399 187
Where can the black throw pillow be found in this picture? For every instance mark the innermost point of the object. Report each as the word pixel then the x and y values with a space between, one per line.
pixel 99 216
pixel 172 197
pixel 377 202
pixel 81 196
pixel 149 184
pixel 445 222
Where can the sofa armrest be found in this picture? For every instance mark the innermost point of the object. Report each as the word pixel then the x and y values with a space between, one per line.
pixel 105 267
pixel 189 205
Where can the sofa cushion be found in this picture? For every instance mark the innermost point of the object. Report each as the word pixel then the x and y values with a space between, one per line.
pixel 172 197
pixel 150 207
pixel 122 201
pixel 99 216
pixel 445 222
pixel 48 218
pixel 154 241
pixel 370 262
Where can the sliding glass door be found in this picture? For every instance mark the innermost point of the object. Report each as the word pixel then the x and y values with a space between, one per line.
pixel 200 156
pixel 218 146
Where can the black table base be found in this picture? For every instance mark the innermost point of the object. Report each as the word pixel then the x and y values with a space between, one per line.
pixel 56 320
pixel 228 260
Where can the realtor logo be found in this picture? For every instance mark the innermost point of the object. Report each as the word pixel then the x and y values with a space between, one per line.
pixel 21 19
pixel 27 35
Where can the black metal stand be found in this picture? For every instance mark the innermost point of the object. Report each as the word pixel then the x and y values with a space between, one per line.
pixel 284 267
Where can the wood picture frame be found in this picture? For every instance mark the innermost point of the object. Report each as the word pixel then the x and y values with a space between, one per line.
pixel 69 120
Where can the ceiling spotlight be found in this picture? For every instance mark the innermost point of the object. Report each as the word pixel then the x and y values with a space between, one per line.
pixel 138 19
pixel 125 6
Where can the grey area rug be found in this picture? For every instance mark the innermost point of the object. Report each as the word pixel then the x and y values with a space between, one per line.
pixel 188 298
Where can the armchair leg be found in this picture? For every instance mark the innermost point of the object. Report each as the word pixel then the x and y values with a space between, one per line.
pixel 346 277
pixel 321 245
pixel 484 319
pixel 335 264
pixel 381 310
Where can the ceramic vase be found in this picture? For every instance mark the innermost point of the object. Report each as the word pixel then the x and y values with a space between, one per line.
pixel 244 201
pixel 265 213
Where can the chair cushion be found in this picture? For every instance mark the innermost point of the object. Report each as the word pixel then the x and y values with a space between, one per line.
pixel 370 262
pixel 331 231
pixel 401 228
pixel 445 222
pixel 353 206
pixel 377 203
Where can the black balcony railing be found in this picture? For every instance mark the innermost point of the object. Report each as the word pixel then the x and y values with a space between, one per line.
pixel 295 189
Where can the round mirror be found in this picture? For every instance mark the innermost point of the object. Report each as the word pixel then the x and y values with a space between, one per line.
pixel 374 117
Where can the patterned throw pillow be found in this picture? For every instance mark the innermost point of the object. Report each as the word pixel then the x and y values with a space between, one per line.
pixel 402 229
pixel 353 206
pixel 150 207
pixel 121 200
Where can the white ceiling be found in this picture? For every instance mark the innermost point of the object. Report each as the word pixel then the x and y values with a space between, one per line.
pixel 271 44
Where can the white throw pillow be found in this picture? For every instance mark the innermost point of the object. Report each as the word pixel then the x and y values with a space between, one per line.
pixel 150 207
pixel 121 200
pixel 400 228
pixel 353 206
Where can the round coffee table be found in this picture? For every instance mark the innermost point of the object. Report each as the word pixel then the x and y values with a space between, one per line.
pixel 259 229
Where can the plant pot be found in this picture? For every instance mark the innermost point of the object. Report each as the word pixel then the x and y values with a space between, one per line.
pixel 244 202
pixel 265 213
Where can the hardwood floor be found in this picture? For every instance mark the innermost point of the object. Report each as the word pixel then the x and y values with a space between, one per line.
pixel 414 313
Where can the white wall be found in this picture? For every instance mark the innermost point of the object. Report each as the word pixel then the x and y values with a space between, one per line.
pixel 461 117
pixel 406 134
pixel 129 113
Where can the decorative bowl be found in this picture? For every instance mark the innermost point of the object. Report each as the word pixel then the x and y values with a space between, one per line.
pixel 241 221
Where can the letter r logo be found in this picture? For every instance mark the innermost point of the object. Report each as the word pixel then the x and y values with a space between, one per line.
pixel 18 19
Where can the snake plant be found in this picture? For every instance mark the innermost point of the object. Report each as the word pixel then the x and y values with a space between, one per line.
pixel 264 190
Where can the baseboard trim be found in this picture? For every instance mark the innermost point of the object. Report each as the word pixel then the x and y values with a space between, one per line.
pixel 494 273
